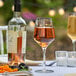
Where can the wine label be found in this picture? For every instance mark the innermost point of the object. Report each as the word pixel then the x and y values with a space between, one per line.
pixel 12 41
pixel 23 41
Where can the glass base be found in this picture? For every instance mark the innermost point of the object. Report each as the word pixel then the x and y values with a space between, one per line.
pixel 44 71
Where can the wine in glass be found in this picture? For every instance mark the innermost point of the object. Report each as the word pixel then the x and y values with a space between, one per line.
pixel 44 35
pixel 71 29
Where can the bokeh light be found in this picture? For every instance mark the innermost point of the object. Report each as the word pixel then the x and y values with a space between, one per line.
pixel 1 3
pixel 52 12
pixel 32 24
pixel 13 8
pixel 61 11
pixel 74 9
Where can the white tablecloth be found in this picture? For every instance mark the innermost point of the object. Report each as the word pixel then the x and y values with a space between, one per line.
pixel 58 71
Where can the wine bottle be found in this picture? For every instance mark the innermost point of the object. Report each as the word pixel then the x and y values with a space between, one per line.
pixel 16 36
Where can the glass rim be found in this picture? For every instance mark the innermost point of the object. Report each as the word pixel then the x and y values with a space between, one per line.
pixel 72 13
pixel 56 52
pixel 61 51
pixel 71 51
pixel 43 18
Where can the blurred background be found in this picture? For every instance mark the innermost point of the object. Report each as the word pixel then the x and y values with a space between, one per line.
pixel 58 10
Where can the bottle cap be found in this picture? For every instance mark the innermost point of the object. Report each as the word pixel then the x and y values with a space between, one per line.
pixel 17 5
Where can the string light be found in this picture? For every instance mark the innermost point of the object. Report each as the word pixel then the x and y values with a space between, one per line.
pixel 13 8
pixel 1 3
pixel 61 11
pixel 52 12
pixel 74 9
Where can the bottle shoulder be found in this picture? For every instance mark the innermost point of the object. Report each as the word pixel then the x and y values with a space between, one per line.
pixel 17 21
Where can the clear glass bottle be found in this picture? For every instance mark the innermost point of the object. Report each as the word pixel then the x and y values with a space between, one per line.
pixel 16 36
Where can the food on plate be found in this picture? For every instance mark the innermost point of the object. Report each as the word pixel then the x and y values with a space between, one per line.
pixel 7 68
pixel 23 66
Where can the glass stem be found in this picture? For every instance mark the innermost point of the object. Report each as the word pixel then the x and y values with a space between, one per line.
pixel 73 41
pixel 44 59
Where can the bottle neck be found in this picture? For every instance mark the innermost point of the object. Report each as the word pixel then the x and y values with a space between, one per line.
pixel 17 14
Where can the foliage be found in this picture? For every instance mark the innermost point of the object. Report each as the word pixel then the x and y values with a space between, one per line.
pixel 69 4
pixel 39 7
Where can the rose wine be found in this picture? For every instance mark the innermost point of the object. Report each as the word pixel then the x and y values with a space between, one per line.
pixel 72 27
pixel 16 36
pixel 44 35
pixel 16 48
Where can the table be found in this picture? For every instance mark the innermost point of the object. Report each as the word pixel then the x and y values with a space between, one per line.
pixel 58 71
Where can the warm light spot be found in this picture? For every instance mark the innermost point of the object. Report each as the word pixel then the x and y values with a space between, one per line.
pixel 61 11
pixel 52 12
pixel 32 24
pixel 13 8
pixel 74 9
pixel 1 3
pixel 43 44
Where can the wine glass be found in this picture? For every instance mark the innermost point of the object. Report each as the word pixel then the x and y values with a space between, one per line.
pixel 71 29
pixel 44 35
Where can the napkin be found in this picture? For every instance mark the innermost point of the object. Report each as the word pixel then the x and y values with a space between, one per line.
pixel 31 62
pixel 72 74
pixel 4 59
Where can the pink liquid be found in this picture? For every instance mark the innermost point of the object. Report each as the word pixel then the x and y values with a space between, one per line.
pixel 44 35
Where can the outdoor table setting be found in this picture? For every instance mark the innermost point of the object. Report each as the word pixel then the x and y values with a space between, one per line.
pixel 14 44
pixel 63 65
pixel 51 64
pixel 44 35
pixel 58 70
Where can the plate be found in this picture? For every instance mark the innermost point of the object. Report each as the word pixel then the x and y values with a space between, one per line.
pixel 18 73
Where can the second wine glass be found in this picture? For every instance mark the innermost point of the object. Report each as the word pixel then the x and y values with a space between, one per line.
pixel 71 29
pixel 44 35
